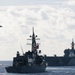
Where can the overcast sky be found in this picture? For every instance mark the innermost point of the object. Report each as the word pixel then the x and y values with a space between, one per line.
pixel 24 2
pixel 53 21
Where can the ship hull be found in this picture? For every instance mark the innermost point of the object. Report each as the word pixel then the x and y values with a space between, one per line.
pixel 60 61
pixel 26 69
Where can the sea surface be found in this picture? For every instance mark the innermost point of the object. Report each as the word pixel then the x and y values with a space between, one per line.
pixel 69 70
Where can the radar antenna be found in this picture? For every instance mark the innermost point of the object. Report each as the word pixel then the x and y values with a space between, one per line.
pixel 72 44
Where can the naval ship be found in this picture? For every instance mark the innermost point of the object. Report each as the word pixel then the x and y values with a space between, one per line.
pixel 31 61
pixel 67 60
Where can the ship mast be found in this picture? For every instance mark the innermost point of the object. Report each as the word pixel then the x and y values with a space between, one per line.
pixel 33 41
pixel 72 45
pixel 34 45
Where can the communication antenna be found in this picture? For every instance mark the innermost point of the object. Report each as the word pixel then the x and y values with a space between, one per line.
pixel 22 49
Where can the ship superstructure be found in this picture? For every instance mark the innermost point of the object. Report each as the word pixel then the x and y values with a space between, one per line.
pixel 70 52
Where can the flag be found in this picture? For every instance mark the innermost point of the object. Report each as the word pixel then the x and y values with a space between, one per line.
pixel 37 46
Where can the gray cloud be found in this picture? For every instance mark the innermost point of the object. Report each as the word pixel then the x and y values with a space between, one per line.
pixel 44 16
pixel 71 27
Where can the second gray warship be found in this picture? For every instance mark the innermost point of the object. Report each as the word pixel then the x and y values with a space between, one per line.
pixel 67 60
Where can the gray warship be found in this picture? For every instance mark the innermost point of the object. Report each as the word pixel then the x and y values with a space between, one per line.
pixel 30 62
pixel 67 60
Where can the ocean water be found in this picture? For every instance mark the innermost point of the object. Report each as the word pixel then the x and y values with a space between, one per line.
pixel 69 70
